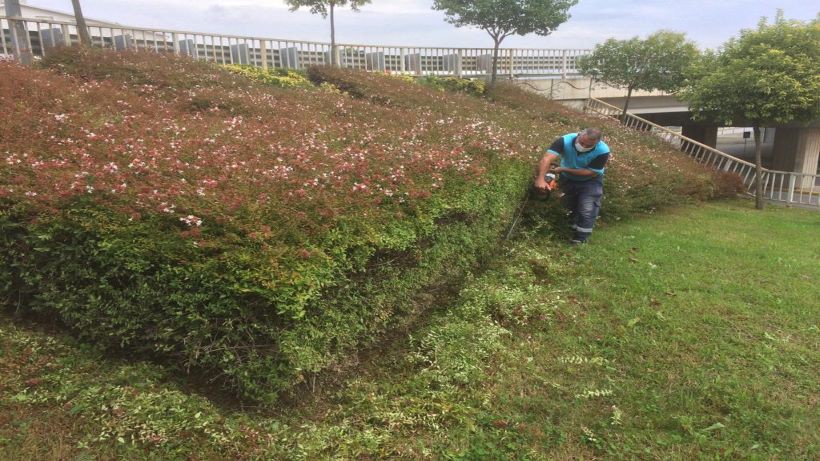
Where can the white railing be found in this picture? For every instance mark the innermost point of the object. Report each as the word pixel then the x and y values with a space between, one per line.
pixel 45 35
pixel 779 186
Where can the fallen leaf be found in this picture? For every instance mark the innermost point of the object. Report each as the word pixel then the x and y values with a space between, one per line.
pixel 713 427
pixel 501 423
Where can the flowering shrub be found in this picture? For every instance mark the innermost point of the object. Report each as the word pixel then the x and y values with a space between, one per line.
pixel 174 208
pixel 233 226
pixel 284 78
pixel 474 87
pixel 644 172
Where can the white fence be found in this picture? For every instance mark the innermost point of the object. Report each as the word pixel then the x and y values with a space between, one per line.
pixel 45 35
pixel 779 186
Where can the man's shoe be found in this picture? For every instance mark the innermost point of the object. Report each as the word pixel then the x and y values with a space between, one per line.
pixel 575 242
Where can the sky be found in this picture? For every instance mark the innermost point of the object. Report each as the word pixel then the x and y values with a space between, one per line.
pixel 709 23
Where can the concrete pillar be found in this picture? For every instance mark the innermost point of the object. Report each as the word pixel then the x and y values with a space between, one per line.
pixel 52 38
pixel 188 47
pixel 412 63
pixel 798 150
pixel 484 63
pixel 452 63
pixel 704 134
pixel 289 58
pixel 240 54
pixel 375 61
pixel 124 42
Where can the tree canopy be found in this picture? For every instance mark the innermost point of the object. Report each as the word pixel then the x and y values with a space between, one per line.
pixel 502 18
pixel 325 8
pixel 769 75
pixel 660 62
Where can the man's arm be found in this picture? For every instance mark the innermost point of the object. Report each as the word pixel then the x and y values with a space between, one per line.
pixel 577 171
pixel 552 156
pixel 543 168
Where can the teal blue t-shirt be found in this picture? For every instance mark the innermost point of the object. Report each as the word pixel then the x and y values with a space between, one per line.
pixel 594 160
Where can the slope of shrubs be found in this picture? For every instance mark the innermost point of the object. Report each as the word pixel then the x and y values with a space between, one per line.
pixel 179 210
pixel 645 173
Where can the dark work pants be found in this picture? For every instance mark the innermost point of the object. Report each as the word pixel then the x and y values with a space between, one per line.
pixel 583 200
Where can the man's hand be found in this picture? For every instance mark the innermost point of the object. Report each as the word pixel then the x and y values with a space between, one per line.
pixel 544 166
pixel 541 184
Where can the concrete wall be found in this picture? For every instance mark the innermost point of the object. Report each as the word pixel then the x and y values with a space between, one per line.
pixel 704 134
pixel 797 149
pixel 578 88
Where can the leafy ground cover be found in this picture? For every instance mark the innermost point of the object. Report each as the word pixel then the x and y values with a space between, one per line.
pixel 663 339
pixel 211 219
pixel 284 78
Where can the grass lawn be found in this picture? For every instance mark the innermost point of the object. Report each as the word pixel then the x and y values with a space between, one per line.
pixel 698 328
pixel 690 334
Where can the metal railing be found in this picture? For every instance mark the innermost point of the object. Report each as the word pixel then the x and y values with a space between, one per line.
pixel 45 35
pixel 778 186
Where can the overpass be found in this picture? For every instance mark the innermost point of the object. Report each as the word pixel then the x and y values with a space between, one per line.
pixel 791 147
pixel 778 186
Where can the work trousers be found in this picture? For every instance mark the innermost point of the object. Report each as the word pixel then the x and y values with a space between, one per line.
pixel 583 200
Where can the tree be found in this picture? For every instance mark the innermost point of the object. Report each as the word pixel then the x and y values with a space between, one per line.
pixel 502 18
pixel 769 75
pixel 82 29
pixel 660 62
pixel 325 7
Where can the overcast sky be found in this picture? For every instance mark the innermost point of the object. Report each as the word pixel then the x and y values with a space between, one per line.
pixel 413 22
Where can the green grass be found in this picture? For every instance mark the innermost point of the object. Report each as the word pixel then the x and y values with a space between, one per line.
pixel 691 334
pixel 704 322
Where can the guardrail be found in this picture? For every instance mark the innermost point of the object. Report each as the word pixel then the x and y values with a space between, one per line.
pixel 778 186
pixel 45 35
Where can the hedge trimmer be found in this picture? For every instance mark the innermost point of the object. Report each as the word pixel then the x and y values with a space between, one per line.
pixel 552 184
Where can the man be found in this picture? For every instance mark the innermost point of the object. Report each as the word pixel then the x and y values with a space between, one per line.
pixel 581 177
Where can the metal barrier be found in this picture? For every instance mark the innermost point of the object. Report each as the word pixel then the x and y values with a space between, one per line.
pixel 297 54
pixel 778 186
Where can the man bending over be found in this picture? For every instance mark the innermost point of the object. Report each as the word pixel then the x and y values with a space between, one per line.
pixel 583 158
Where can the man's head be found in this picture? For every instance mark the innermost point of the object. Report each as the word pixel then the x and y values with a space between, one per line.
pixel 588 139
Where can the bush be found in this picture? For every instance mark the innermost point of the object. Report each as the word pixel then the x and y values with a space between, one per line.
pixel 208 234
pixel 380 89
pixel 464 85
pixel 178 210
pixel 283 78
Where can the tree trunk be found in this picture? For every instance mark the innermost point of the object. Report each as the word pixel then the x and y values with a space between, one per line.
pixel 334 58
pixel 626 103
pixel 82 28
pixel 495 61
pixel 759 202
